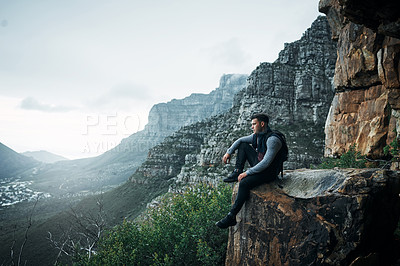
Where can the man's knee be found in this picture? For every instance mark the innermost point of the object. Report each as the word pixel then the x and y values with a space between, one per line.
pixel 242 184
pixel 245 184
pixel 252 181
pixel 244 146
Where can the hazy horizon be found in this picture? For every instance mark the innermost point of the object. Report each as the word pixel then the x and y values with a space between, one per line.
pixel 79 76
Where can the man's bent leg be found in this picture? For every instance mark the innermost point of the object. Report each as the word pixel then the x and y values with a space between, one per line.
pixel 245 153
pixel 245 186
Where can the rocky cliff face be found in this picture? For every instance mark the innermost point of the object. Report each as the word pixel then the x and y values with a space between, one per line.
pixel 319 217
pixel 166 118
pixel 366 107
pixel 165 160
pixel 296 91
pixel 297 87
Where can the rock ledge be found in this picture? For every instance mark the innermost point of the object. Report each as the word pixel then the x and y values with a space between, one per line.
pixel 314 217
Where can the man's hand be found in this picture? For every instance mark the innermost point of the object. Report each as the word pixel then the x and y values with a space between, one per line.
pixel 241 176
pixel 227 158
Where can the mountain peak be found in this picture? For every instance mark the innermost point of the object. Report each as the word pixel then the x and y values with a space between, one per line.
pixel 44 156
pixel 12 163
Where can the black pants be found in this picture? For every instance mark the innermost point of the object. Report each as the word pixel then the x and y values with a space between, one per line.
pixel 248 153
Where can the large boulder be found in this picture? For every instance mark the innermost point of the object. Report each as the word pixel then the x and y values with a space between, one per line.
pixel 319 217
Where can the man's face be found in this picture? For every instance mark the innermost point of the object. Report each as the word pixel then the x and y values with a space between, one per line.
pixel 257 126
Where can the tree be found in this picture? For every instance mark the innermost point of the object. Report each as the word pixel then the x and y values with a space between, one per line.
pixel 28 226
pixel 180 230
pixel 79 240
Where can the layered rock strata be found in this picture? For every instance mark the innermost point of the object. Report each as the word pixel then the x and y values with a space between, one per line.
pixel 165 160
pixel 166 118
pixel 366 107
pixel 319 217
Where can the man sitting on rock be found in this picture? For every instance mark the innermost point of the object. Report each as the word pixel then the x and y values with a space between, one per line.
pixel 260 149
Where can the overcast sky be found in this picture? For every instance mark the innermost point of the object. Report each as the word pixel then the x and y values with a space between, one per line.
pixel 77 76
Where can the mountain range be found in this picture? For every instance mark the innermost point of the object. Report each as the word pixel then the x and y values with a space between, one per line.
pixel 68 178
pixel 296 90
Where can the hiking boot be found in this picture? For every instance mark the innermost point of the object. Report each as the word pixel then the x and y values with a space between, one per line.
pixel 233 177
pixel 229 220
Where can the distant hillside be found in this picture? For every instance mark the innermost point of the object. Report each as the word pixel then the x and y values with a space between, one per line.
pixel 44 156
pixel 12 163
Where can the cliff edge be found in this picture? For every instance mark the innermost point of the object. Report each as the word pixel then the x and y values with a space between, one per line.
pixel 319 217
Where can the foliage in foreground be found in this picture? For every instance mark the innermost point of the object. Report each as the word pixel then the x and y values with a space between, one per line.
pixel 179 231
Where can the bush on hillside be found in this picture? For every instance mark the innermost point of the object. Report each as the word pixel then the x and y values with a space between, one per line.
pixel 351 159
pixel 179 231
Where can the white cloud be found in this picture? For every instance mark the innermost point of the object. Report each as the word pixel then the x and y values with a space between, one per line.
pixel 122 97
pixel 229 53
pixel 31 103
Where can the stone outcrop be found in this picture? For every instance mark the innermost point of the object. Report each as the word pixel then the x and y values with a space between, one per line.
pixel 319 217
pixel 361 117
pixel 365 110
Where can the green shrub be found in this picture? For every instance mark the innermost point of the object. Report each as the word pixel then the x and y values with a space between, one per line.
pixel 393 149
pixel 179 231
pixel 351 159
